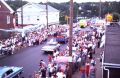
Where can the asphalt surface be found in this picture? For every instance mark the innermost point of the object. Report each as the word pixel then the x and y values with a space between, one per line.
pixel 28 58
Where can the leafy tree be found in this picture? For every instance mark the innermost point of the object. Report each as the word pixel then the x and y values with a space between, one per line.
pixel 116 17
pixel 89 9
pixel 16 4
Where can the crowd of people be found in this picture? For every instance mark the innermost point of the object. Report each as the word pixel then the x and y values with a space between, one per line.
pixel 26 39
pixel 83 53
pixel 83 57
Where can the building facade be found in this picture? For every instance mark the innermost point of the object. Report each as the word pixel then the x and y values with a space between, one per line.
pixel 34 13
pixel 7 18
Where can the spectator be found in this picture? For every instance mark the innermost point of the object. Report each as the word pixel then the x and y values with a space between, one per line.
pixel 49 58
pixel 60 74
pixel 87 68
pixel 92 71
pixel 82 72
pixel 43 72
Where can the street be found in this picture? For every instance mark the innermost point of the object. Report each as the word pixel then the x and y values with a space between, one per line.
pixel 28 58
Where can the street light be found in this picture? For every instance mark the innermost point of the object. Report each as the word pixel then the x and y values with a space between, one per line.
pixel 21 14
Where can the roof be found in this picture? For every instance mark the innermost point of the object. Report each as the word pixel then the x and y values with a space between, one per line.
pixel 40 7
pixel 10 9
pixel 112 45
pixel 3 70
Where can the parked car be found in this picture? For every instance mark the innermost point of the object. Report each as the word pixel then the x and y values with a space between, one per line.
pixel 10 72
pixel 6 50
pixel 51 46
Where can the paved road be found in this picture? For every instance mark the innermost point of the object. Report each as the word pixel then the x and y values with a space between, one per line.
pixel 28 58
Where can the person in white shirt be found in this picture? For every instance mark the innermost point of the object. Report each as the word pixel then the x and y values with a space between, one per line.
pixel 60 74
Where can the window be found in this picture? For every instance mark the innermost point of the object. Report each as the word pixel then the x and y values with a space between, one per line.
pixel 38 18
pixel 9 71
pixel 8 19
pixel 28 18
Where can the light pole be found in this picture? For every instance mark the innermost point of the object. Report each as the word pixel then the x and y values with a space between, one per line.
pixel 100 9
pixel 70 37
pixel 21 14
pixel 47 14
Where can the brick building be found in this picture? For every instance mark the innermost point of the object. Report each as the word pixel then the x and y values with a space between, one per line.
pixel 7 16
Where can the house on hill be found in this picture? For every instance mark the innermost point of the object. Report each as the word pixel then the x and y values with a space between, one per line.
pixel 34 13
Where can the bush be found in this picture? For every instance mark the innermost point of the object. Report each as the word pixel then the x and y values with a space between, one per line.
pixel 116 17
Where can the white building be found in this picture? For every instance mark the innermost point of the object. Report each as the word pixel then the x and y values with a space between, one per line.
pixel 34 13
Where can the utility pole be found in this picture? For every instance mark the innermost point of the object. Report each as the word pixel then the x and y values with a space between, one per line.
pixel 100 9
pixel 70 37
pixel 47 13
pixel 21 13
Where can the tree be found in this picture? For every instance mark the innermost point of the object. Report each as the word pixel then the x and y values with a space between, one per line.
pixel 116 17
pixel 16 4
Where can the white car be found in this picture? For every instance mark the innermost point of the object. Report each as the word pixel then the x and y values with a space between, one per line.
pixel 50 47
pixel 10 72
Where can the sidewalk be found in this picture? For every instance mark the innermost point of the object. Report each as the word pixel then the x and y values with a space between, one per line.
pixel 98 65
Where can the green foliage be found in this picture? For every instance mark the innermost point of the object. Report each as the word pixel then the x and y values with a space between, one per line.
pixel 16 4
pixel 116 17
pixel 89 9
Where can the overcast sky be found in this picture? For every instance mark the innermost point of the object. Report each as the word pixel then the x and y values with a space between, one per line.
pixel 59 1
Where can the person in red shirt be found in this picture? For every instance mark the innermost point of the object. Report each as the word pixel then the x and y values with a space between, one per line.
pixel 87 68
pixel 49 58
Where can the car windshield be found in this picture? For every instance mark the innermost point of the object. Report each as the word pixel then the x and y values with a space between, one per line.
pixel 9 72
pixel 52 44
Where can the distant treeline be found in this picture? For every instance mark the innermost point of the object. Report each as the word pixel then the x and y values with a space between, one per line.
pixel 89 9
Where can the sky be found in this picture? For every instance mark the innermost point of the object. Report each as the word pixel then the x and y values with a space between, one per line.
pixel 59 1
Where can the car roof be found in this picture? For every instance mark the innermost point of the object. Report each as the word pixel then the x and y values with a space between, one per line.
pixel 4 69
